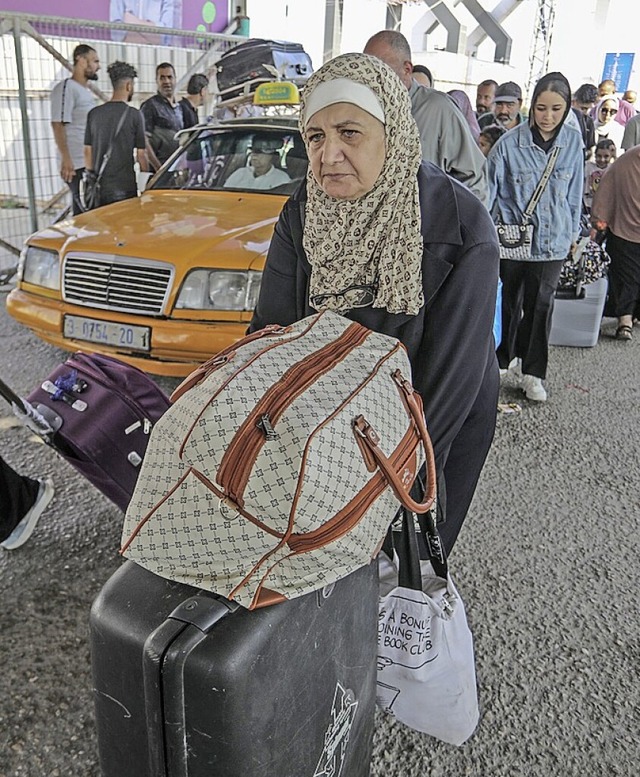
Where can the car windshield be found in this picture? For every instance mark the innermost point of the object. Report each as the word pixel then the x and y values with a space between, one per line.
pixel 272 161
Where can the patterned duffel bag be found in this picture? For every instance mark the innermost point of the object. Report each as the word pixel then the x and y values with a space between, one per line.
pixel 281 463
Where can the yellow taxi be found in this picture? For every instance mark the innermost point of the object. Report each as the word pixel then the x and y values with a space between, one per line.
pixel 165 280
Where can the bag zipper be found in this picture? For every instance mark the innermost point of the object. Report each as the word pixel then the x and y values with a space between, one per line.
pixel 222 357
pixel 349 517
pixel 240 456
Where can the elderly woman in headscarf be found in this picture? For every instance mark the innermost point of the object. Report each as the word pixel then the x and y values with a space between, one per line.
pixel 616 207
pixel 397 245
pixel 516 166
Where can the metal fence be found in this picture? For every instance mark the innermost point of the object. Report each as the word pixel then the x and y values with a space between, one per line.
pixel 35 53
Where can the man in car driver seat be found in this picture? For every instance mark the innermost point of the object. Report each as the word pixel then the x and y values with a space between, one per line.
pixel 260 173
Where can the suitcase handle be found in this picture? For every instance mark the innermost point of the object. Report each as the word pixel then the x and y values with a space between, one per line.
pixel 165 653
pixel 365 431
pixel 9 394
pixel 38 418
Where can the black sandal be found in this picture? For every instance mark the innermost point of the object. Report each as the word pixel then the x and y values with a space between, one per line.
pixel 624 332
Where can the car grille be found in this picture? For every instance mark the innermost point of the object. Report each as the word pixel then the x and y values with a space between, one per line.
pixel 117 283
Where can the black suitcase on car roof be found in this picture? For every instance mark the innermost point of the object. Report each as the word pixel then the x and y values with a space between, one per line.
pixel 189 684
pixel 246 63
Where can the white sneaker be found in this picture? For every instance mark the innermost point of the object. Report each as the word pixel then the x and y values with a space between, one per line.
pixel 25 528
pixel 533 388
pixel 514 366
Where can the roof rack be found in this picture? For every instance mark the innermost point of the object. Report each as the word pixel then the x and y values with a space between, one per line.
pixel 269 96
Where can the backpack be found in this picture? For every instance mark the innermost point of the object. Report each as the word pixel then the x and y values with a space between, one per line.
pixel 281 463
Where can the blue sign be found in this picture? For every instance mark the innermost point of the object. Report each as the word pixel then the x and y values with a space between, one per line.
pixel 617 68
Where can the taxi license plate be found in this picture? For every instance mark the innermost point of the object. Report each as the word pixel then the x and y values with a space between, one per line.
pixel 107 333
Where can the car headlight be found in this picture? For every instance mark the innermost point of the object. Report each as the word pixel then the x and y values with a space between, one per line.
pixel 40 267
pixel 220 290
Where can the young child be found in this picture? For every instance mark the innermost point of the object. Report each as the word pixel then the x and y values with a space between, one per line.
pixel 605 154
pixel 489 136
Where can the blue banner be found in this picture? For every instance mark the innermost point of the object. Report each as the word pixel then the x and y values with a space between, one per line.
pixel 617 68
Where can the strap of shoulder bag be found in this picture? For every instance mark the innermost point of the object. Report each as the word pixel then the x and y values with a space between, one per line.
pixel 405 543
pixel 542 185
pixel 109 151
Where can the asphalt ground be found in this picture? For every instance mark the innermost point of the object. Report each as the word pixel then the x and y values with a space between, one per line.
pixel 547 564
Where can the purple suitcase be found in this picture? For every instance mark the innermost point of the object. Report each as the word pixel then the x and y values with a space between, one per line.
pixel 101 412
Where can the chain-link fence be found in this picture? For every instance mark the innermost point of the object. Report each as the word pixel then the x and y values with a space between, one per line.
pixel 35 53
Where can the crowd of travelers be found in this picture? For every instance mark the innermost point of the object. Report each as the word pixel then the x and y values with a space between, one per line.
pixel 608 126
pixel 88 136
pixel 395 224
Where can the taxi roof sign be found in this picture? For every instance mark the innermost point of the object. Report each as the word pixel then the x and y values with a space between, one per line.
pixel 276 93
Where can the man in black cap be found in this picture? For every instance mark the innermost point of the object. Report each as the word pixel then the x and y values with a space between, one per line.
pixel 507 105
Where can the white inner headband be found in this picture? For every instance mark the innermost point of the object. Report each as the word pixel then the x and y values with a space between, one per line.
pixel 342 90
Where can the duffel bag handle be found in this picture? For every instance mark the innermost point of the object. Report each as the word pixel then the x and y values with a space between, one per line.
pixel 367 433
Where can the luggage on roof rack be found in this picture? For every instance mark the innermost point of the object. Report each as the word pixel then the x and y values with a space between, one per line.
pixel 244 67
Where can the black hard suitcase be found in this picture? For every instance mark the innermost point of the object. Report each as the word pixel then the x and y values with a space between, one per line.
pixel 246 63
pixel 188 684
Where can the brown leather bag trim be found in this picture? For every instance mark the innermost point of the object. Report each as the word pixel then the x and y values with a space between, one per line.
pixel 368 379
pixel 233 506
pixel 240 457
pixel 401 486
pixel 398 346
pixel 265 597
pixel 253 571
pixel 404 457
pixel 142 522
pixel 222 357
pixel 231 377
pixel 378 483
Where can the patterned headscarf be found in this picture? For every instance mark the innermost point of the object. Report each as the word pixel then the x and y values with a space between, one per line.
pixel 375 240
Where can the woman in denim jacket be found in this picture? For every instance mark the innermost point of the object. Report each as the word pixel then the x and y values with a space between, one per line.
pixel 515 166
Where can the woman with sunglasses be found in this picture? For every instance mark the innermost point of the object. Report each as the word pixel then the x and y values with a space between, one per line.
pixel 605 122
pixel 516 166
pixel 392 242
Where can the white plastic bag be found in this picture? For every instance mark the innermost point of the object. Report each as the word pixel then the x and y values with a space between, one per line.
pixel 426 664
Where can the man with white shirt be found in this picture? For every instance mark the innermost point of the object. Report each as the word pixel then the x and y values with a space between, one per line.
pixel 261 173
pixel 71 101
